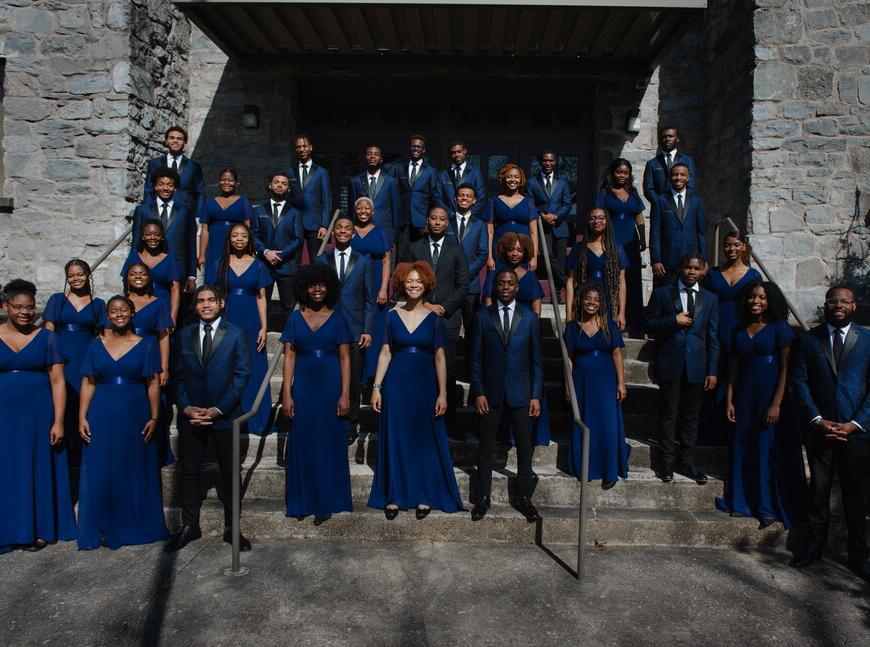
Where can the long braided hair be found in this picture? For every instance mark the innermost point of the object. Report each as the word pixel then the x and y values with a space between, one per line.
pixel 601 315
pixel 611 262
pixel 224 265
pixel 84 267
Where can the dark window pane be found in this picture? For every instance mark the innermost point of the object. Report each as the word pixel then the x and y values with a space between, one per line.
pixel 569 118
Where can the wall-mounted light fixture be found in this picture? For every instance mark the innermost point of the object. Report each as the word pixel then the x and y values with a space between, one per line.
pixel 632 122
pixel 251 117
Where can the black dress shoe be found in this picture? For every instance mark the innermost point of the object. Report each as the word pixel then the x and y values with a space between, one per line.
pixel 666 476
pixel 321 519
pixel 807 558
pixel 861 569
pixel 696 475
pixel 182 538
pixel 527 509
pixel 606 485
pixel 480 509
pixel 422 513
pixel 244 544
pixel 766 522
pixel 391 513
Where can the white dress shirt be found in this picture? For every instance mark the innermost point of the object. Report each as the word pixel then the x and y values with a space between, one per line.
pixel 214 326
pixel 411 167
pixel 337 258
pixel 440 243
pixel 170 157
pixel 459 218
pixel 684 298
pixel 276 203
pixel 676 193
pixel 673 155
pixel 375 175
pixel 511 308
pixel 168 204
pixel 461 169
pixel 831 330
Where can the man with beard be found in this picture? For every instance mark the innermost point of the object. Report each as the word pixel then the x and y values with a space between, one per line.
pixel 829 378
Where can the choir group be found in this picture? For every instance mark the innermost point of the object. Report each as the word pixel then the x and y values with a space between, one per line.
pixel 423 261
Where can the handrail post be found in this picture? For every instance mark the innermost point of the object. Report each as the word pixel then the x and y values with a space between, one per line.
pixel 575 408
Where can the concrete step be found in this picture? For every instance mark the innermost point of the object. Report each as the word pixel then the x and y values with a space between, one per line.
pixel 265 451
pixel 554 488
pixel 607 526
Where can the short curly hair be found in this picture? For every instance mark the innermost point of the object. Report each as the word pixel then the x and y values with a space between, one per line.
pixel 777 307
pixel 507 168
pixel 314 274
pixel 507 242
pixel 423 269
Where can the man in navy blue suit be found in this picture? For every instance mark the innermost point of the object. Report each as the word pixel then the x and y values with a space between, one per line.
pixel 830 377
pixel 310 192
pixel 677 227
pixel 506 381
pixel 460 172
pixel 381 187
pixel 357 304
pixel 179 222
pixel 190 190
pixel 470 232
pixel 211 365
pixel 552 197
pixel 418 190
pixel 657 172
pixel 684 318
pixel 277 232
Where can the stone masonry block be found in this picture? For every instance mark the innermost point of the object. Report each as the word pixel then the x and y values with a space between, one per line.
pixel 89 84
pixel 821 19
pixel 777 27
pixel 773 81
pixel 796 245
pixel 815 82
pixel 811 273
pixel 34 21
pixel 851 56
pixel 826 126
pixel 67 170
pixel 785 219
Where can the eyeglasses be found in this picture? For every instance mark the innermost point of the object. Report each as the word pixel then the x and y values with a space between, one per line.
pixel 597 218
pixel 838 302
pixel 19 308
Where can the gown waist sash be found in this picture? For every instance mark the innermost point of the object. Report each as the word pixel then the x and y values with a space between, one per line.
pixel 243 292
pixel 120 380
pixel 317 352
pixel 412 349
pixel 76 328
pixel 225 223
pixel 591 353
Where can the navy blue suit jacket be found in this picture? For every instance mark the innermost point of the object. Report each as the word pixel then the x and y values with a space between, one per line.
pixel 475 244
pixel 215 381
pixel 694 348
pixel 387 202
pixel 558 202
pixel 180 233
pixel 656 179
pixel 837 392
pixel 670 237
pixel 506 368
pixel 191 191
pixel 314 200
pixel 416 200
pixel 358 303
pixel 284 239
pixel 447 192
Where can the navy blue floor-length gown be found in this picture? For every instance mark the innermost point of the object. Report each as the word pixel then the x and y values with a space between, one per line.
pixel 594 378
pixel 518 219
pixel 414 466
pixel 375 244
pixel 219 221
pixel 241 309
pixel 120 494
pixel 35 500
pixel 767 478
pixel 318 478
pixel 162 274
pixel 596 266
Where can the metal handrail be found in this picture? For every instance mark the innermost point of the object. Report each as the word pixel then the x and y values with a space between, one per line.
pixel 758 262
pixel 575 408
pixel 236 569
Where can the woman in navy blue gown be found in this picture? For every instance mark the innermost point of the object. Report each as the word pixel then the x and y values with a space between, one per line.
pixel 510 210
pixel 75 315
pixel 120 495
pixel 726 282
pixel 597 257
pixel 153 250
pixel 373 241
pixel 767 478
pixel 414 469
pixel 514 252
pixel 595 345
pixel 622 202
pixel 317 364
pixel 219 214
pixel 244 280
pixel 35 503
pixel 151 319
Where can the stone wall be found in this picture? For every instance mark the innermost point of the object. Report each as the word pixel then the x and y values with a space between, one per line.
pixel 219 90
pixel 79 94
pixel 811 144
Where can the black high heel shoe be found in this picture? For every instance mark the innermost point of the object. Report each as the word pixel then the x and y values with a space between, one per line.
pixel 421 513
pixel 391 513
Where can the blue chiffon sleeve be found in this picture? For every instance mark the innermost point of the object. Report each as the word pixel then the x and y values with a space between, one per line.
pixel 616 340
pixel 88 363
pixel 622 257
pixel 342 332
pixel 52 350
pixel 784 334
pixel 264 279
pixel 532 213
pixel 175 273
pixel 287 336
pixel 488 213
pixel 439 337
pixel 489 285
pixel 100 310
pixel 51 313
pixel 132 258
pixel 570 335
pixel 164 318
pixel 571 261
pixel 247 209
pixel 204 214
pixel 537 290
pixel 151 360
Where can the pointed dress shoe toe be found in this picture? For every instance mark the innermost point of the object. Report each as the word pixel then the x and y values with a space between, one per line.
pixel 244 543
pixel 480 509
pixel 182 538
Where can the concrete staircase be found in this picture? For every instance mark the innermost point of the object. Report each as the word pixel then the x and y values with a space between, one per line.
pixel 638 511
